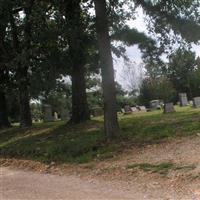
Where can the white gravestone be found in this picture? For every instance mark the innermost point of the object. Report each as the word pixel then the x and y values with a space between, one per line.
pixel 196 102
pixel 183 99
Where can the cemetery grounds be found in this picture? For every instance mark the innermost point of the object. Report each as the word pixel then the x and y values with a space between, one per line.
pixel 157 155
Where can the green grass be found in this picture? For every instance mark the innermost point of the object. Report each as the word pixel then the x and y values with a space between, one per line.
pixel 162 168
pixel 58 142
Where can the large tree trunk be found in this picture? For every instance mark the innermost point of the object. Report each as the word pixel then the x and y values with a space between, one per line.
pixel 109 92
pixel 24 98
pixel 4 122
pixel 22 71
pixel 80 110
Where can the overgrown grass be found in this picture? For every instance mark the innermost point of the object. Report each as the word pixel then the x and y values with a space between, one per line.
pixel 85 142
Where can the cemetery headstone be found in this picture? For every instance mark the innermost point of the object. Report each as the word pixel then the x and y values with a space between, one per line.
pixel 55 116
pixel 134 109
pixel 142 108
pixel 196 102
pixel 122 110
pixel 127 109
pixel 169 108
pixel 48 113
pixel 155 104
pixel 183 99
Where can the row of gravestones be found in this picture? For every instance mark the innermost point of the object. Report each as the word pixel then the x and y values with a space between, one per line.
pixel 158 104
pixel 184 100
pixel 169 107
pixel 155 104
pixel 128 109
pixel 50 116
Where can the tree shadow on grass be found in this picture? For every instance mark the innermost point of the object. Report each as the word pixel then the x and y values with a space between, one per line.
pixel 61 143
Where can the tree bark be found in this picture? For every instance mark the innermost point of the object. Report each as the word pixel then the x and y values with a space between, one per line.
pixel 111 125
pixel 23 79
pixel 80 110
pixel 4 122
pixel 22 68
pixel 24 98
pixel 75 27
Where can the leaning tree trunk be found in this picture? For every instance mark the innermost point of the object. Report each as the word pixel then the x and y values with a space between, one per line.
pixel 80 110
pixel 4 122
pixel 109 92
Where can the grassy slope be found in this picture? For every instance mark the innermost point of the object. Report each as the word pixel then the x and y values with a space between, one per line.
pixel 57 142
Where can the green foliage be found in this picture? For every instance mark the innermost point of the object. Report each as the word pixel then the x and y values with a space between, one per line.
pixel 162 168
pixel 95 99
pixel 125 100
pixel 36 111
pixel 182 70
pixel 159 88
pixel 95 93
pixel 181 17
pixel 58 97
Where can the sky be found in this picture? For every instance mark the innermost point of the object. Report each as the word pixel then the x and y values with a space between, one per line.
pixel 134 53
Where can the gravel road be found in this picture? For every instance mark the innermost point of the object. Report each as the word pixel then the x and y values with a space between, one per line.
pixel 20 185
pixel 29 185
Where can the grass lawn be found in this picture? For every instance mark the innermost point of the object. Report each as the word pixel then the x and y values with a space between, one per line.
pixel 47 142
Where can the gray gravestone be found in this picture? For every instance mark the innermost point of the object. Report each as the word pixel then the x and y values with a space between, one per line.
pixel 142 108
pixel 183 99
pixel 134 109
pixel 196 102
pixel 169 108
pixel 127 109
pixel 155 104
pixel 48 113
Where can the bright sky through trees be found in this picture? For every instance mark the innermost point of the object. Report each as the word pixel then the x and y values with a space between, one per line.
pixel 134 53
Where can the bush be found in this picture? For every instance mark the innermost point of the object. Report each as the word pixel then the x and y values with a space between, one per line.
pixel 159 88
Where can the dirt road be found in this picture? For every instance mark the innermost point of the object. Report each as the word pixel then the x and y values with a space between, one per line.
pixel 109 179
pixel 30 185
